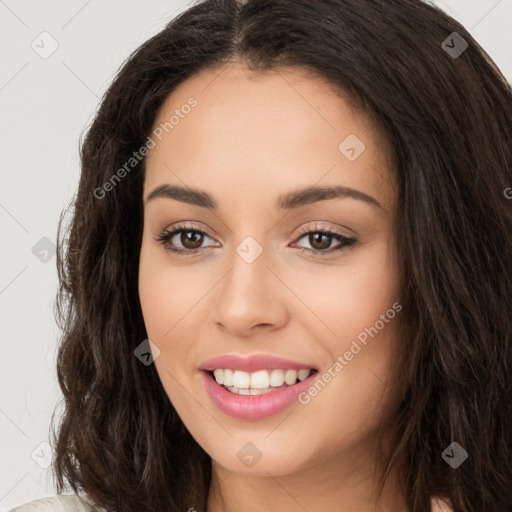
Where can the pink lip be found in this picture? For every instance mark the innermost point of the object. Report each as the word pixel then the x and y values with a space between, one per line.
pixel 254 407
pixel 252 363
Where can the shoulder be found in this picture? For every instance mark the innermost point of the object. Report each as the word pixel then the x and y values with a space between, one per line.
pixel 440 505
pixel 72 503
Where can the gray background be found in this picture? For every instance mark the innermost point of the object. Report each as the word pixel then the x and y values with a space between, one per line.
pixel 45 105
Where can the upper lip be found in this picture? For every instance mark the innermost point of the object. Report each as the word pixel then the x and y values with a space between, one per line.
pixel 252 363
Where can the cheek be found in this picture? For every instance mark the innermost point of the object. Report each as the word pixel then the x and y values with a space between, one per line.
pixel 367 316
pixel 372 288
pixel 156 299
pixel 349 297
pixel 355 301
pixel 167 293
pixel 165 299
pixel 368 344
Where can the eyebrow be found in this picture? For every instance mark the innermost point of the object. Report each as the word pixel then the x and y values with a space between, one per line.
pixel 288 201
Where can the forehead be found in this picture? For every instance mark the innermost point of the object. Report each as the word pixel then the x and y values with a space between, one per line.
pixel 248 130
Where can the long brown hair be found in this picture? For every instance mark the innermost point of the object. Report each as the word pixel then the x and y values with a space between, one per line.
pixel 448 118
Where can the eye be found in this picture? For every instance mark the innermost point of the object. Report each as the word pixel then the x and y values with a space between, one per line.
pixel 191 239
pixel 320 240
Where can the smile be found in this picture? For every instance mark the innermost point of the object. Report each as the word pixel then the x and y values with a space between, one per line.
pixel 260 382
pixel 232 391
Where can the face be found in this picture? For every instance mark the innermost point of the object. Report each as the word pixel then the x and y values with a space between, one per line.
pixel 260 270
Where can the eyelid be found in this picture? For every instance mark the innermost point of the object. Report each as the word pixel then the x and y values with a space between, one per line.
pixel 346 241
pixel 324 227
pixel 301 231
pixel 185 226
pixel 176 228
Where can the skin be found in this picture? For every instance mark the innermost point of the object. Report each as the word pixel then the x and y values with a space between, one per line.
pixel 251 138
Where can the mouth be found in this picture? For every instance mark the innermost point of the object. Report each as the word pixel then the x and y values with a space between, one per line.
pixel 260 382
pixel 261 401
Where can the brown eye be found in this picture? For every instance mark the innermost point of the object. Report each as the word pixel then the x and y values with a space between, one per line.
pixel 320 241
pixel 191 239
pixel 185 240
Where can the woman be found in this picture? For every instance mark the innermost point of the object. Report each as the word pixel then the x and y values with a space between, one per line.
pixel 287 278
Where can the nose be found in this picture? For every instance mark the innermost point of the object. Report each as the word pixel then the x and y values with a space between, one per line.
pixel 250 297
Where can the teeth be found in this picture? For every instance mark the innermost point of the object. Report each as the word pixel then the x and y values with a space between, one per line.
pixel 227 377
pixel 277 378
pixel 251 383
pixel 260 380
pixel 303 374
pixel 290 377
pixel 241 380
pixel 250 391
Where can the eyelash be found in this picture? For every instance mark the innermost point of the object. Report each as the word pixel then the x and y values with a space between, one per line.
pixel 167 235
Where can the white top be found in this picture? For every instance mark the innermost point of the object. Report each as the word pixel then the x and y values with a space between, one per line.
pixel 74 503
pixel 70 503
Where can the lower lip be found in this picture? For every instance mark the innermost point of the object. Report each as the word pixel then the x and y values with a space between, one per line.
pixel 254 407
